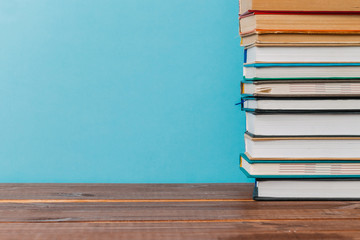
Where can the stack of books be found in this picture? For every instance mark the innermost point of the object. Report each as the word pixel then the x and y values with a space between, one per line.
pixel 301 94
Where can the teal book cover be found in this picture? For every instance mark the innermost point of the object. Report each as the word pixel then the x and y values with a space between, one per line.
pixel 308 64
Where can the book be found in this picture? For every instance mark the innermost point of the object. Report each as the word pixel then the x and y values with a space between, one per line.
pixel 303 124
pixel 298 5
pixel 260 38
pixel 300 23
pixel 303 148
pixel 311 54
pixel 300 104
pixel 300 169
pixel 267 71
pixel 307 189
pixel 250 159
pixel 302 88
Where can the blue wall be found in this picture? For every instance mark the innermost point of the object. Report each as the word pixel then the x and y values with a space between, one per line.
pixel 120 91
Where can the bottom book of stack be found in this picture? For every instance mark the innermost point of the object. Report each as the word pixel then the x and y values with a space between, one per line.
pixel 307 189
pixel 310 179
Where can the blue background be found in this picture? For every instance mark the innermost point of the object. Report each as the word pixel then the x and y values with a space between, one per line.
pixel 131 91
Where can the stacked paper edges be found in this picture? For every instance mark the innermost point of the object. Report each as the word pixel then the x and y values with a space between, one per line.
pixel 301 94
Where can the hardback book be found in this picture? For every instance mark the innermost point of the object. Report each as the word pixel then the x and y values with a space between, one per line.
pixel 272 71
pixel 300 169
pixel 246 156
pixel 300 23
pixel 307 189
pixel 303 148
pixel 300 104
pixel 303 124
pixel 298 5
pixel 260 38
pixel 290 54
pixel 302 88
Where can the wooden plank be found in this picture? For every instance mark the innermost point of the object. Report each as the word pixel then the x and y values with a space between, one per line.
pixel 180 211
pixel 160 231
pixel 166 211
pixel 126 191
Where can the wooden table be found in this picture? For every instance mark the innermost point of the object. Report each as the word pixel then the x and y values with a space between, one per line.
pixel 166 211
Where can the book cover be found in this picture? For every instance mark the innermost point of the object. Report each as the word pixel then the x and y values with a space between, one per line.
pixel 264 65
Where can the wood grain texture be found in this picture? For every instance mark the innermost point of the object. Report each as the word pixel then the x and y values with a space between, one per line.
pixel 161 231
pixel 188 211
pixel 166 211
pixel 126 191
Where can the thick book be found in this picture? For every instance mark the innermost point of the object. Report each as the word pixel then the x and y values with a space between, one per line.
pixel 260 38
pixel 313 54
pixel 302 148
pixel 277 71
pixel 269 124
pixel 302 88
pixel 298 5
pixel 299 104
pixel 300 169
pixel 326 189
pixel 300 23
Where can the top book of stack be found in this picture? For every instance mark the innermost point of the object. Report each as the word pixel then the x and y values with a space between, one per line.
pixel 247 6
pixel 299 23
